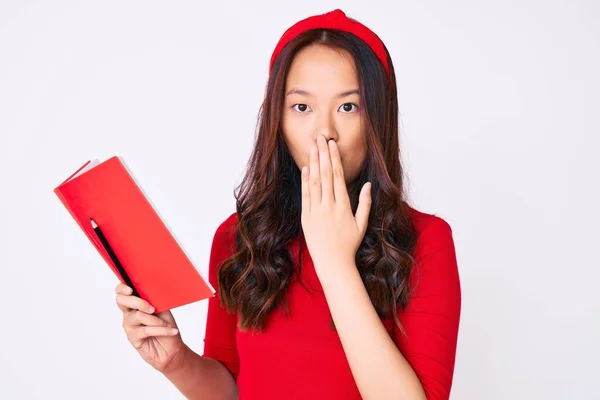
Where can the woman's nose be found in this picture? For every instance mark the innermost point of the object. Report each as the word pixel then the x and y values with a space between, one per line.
pixel 327 130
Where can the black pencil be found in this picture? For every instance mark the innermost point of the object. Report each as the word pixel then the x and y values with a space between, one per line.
pixel 113 256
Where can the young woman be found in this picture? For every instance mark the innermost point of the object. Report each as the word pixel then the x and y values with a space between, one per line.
pixel 330 286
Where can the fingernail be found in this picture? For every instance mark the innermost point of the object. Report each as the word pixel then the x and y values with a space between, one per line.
pixel 151 310
pixel 174 331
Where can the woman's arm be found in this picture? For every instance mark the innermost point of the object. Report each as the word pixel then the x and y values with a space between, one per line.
pixel 212 375
pixel 199 377
pixel 420 365
pixel 379 369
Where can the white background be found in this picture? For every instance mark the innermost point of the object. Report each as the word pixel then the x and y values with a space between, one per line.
pixel 499 111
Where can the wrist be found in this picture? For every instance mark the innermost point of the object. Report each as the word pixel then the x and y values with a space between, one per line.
pixel 335 271
pixel 179 361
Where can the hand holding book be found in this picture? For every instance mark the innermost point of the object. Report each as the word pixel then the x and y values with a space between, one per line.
pixel 155 337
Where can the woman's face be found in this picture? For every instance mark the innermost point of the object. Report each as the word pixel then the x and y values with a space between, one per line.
pixel 321 98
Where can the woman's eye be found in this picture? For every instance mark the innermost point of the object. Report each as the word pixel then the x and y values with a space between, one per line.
pixel 346 107
pixel 302 106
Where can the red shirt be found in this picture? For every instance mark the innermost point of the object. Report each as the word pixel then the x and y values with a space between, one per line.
pixel 301 356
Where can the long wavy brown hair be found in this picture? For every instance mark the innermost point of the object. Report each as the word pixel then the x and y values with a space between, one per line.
pixel 253 280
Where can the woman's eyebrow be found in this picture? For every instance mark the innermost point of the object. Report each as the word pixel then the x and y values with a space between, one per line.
pixel 305 93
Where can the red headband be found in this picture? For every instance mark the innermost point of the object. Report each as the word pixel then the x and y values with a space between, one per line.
pixel 338 20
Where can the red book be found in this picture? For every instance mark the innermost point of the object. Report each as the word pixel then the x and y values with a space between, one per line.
pixel 152 259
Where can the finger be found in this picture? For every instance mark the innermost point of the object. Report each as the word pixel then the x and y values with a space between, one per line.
pixel 123 308
pixel 136 335
pixel 325 171
pixel 314 177
pixel 134 303
pixel 364 208
pixel 136 318
pixel 305 190
pixel 123 289
pixel 339 181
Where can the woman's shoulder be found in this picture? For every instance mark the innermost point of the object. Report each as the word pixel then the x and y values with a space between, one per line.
pixel 424 221
pixel 224 230
pixel 434 232
pixel 223 243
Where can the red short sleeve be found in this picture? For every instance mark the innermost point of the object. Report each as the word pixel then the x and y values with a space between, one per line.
pixel 431 319
pixel 220 335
